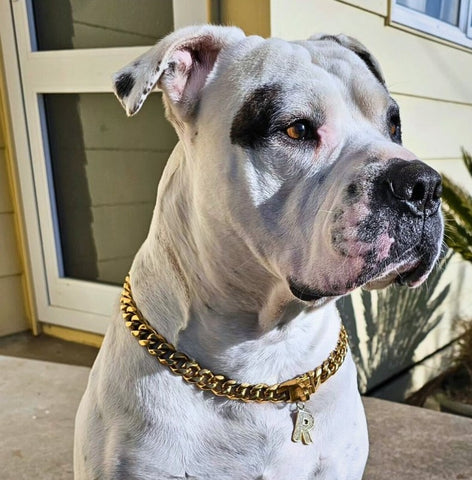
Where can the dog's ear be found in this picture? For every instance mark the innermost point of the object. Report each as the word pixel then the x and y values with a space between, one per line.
pixel 179 65
pixel 359 49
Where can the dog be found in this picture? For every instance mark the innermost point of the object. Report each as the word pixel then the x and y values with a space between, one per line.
pixel 289 187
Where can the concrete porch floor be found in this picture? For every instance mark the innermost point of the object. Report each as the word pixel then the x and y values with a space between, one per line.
pixel 38 400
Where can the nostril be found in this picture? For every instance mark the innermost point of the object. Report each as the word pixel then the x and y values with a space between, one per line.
pixel 419 193
pixel 414 186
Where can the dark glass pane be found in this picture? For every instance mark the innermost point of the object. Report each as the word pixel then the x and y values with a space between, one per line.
pixel 444 10
pixel 64 24
pixel 105 170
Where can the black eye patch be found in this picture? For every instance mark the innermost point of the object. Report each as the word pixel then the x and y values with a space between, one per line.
pixel 253 123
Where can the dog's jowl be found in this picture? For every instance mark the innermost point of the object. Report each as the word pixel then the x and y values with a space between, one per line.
pixel 289 187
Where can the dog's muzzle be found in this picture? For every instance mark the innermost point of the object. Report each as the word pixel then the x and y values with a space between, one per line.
pixel 385 228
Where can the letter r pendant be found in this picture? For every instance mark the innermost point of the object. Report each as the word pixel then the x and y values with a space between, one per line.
pixel 304 422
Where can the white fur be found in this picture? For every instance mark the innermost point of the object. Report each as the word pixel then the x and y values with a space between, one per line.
pixel 212 274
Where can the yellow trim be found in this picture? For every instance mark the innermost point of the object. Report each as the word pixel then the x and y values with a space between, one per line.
pixel 252 16
pixel 12 174
pixel 71 335
pixel 212 8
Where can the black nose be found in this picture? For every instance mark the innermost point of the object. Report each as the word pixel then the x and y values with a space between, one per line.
pixel 415 186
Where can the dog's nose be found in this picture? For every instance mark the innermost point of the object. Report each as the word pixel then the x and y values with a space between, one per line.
pixel 414 185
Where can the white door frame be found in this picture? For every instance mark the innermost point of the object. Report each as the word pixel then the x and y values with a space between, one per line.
pixel 63 301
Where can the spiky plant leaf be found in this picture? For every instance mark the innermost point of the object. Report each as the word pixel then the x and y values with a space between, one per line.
pixel 467 160
pixel 458 238
pixel 457 207
pixel 457 201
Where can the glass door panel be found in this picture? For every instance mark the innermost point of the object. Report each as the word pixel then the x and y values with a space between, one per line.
pixel 105 169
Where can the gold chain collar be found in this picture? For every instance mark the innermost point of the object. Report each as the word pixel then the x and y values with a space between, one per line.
pixel 297 389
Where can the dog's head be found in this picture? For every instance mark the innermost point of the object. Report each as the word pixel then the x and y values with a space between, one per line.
pixel 299 151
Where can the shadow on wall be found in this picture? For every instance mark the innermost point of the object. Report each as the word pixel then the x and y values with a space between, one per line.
pixel 394 322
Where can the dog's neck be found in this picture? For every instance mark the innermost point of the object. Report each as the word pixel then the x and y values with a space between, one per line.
pixel 190 288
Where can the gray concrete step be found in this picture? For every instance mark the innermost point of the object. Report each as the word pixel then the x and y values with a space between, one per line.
pixel 38 401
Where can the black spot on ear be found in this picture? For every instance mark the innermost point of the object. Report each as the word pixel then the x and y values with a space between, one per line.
pixel 367 58
pixel 364 55
pixel 333 38
pixel 124 84
pixel 254 121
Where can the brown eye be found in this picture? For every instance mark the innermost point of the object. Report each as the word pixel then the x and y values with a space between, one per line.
pixel 394 124
pixel 298 131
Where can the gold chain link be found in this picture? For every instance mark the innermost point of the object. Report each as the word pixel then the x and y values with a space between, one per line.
pixel 297 389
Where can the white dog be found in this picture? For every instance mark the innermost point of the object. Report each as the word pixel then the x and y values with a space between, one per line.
pixel 289 187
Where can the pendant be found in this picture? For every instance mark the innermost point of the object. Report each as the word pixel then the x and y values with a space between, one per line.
pixel 304 422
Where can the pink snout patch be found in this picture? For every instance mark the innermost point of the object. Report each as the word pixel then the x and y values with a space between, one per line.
pixel 384 243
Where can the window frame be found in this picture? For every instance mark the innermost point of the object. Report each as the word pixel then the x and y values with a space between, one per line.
pixel 469 22
pixel 439 29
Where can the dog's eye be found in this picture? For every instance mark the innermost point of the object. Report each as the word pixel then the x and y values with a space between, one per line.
pixel 300 131
pixel 394 125
pixel 395 131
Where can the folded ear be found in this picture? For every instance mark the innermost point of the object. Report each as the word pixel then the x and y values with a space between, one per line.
pixel 359 49
pixel 179 65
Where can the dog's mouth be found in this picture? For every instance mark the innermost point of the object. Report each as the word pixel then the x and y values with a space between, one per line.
pixel 306 293
pixel 408 267
pixel 410 274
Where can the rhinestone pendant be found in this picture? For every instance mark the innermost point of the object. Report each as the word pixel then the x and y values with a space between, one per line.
pixel 304 422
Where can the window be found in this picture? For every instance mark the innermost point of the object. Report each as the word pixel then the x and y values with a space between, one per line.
pixel 447 19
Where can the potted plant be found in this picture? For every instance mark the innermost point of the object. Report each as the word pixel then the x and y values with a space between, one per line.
pixel 452 390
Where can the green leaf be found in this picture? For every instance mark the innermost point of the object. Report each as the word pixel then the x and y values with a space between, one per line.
pixel 457 208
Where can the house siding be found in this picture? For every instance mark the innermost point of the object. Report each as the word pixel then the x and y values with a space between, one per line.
pixel 12 314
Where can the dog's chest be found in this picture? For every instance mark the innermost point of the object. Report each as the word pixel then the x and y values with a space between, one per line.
pixel 232 443
pixel 245 441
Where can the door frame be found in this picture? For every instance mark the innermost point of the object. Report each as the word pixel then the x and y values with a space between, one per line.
pixel 61 301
